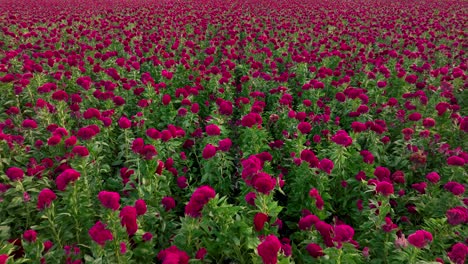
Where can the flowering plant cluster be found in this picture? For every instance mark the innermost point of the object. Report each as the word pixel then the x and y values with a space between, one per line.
pixel 245 131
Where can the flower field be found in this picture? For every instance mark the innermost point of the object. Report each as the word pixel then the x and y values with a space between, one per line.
pixel 245 131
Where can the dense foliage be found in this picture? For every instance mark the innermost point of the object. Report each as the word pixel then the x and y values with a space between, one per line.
pixel 246 131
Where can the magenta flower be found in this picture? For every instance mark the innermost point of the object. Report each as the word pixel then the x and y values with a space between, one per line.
pixel 86 133
pixel 212 130
pixel 269 249
pixel 411 78
pixel 343 233
pixel 54 140
pixel 173 255
pixel 109 200
pixel 414 116
pixel 3 258
pixel 124 123
pixel 45 198
pixel 428 122
pixel 140 206
pixel 201 253
pixel 251 119
pixel 358 127
pixel 147 236
pixel 81 151
pixel 455 161
pixel 389 225
pixel 209 151
pixel 325 231
pixel 457 215
pixel 326 165
pixel 225 144
pixel 251 166
pixel 309 156
pixel 367 156
pixel 71 141
pixel 15 174
pixel 100 234
pixel 381 84
pixel 168 203
pixel 382 173
pixel 458 253
pixel 29 123
pixel 420 187
pixel 123 248
pixel 166 99
pixel 304 127
pixel 92 113
pixel 315 250
pixel 128 219
pixel 67 176
pixel 199 198
pixel 264 183
pixel 30 236
pixel 250 198
pixel 182 182
pixel 398 177
pixel 464 124
pixel 342 138
pixel 148 152
pixel 433 177
pixel 48 245
pixel 420 238
pixel 195 108
pixel 307 221
pixel 384 188
pixel 318 198
pixel 153 133
pixel 455 188
pixel 259 221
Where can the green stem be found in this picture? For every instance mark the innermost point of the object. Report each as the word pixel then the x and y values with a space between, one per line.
pixel 338 260
pixel 126 142
pixel 385 248
pixel 85 176
pixel 264 205
pixel 76 212
pixel 239 254
pixel 30 93
pixel 117 252
pixel 28 212
pixel 140 183
pixel 189 237
pixel 38 250
pixel 31 137
pixel 414 255
pixel 50 216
